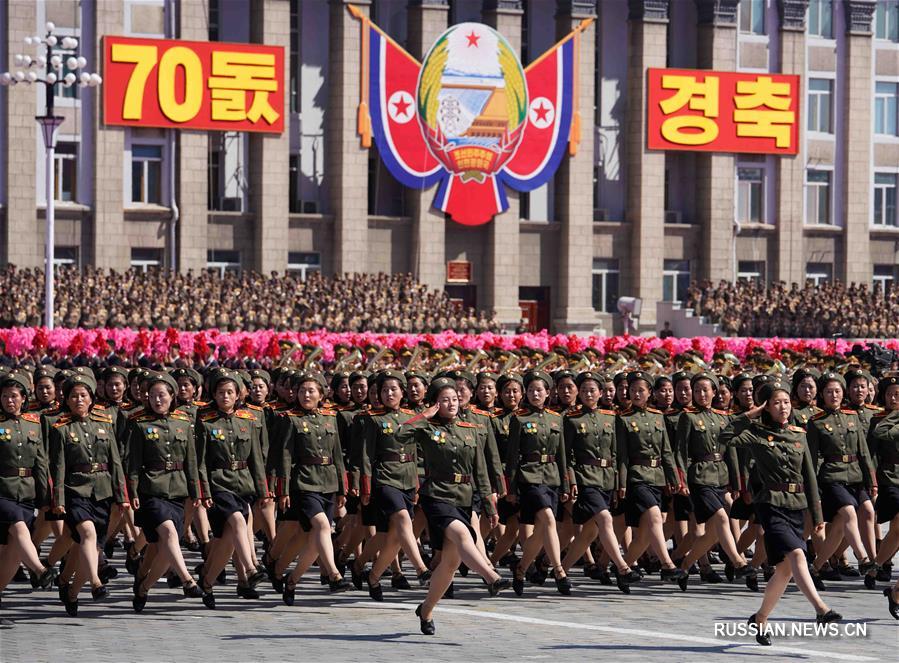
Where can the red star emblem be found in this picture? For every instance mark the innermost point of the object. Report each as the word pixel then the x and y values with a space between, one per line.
pixel 401 106
pixel 542 112
pixel 472 39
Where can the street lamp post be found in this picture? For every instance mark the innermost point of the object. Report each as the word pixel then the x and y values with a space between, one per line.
pixel 52 63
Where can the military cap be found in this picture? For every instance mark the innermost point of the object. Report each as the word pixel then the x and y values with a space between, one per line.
pixel 680 375
pixel 704 375
pixel 390 374
pixel 300 377
pixel 581 378
pixel 530 376
pixel 831 376
pixel 634 376
pixel 164 378
pixel 134 374
pixel 803 373
pixel 109 371
pixel 222 375
pixel 506 378
pixel 421 375
pixel 885 383
pixel 767 390
pixel 16 378
pixel 662 379
pixel 62 375
pixel 77 379
pixel 855 374
pixel 45 372
pixel 619 378
pixel 459 374
pixel 355 376
pixel 188 373
pixel 562 374
pixel 487 375
pixel 725 381
pixel 740 379
pixel 439 385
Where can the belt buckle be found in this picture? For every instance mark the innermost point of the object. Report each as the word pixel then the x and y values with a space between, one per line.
pixel 792 488
pixel 168 466
pixel 457 478
pixel 654 462
pixel 234 465
pixel 326 460
pixel 845 458
pixel 544 458
pixel 95 467
pixel 23 472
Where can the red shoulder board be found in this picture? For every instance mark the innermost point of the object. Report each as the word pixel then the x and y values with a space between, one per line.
pixel 723 413
pixel 257 408
pixel 880 415
pixel 101 417
pixel 796 429
pixel 625 412
pixel 33 418
pixel 653 410
pixel 478 410
pixel 62 421
pixel 201 403
pixel 498 412
pixel 690 409
pixel 820 415
pixel 575 412
pixel 328 412
pixel 465 424
pixel 245 414
pixel 522 410
pixel 209 414
pixel 344 408
pixel 876 408
pixel 552 412
pixel 406 410
pixel 128 406
pixel 609 412
pixel 846 410
pixel 100 406
pixel 180 416
pixel 135 415
pixel 375 411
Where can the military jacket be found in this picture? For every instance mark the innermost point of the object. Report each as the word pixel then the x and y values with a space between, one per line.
pixel 454 462
pixel 866 413
pixel 783 466
pixel 500 421
pixel 839 450
pixel 802 415
pixel 311 457
pixel 644 453
pixel 486 437
pixel 22 450
pixel 385 460
pixel 162 459
pixel 229 452
pixel 883 441
pixel 536 453
pixel 84 459
pixel 700 455
pixel 590 443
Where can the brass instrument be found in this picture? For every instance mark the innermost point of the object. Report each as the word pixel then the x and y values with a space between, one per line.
pixel 479 356
pixel 307 363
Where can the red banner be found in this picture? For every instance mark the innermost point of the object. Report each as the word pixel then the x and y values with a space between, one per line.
pixel 193 85
pixel 722 111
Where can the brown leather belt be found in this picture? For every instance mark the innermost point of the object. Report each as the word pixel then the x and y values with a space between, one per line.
pixel 452 478
pixel 707 458
pixel 647 462
pixel 90 468
pixel 22 472
pixel 539 458
pixel 845 458
pixel 787 487
pixel 594 462
pixel 316 460
pixel 233 465
pixel 392 456
pixel 167 466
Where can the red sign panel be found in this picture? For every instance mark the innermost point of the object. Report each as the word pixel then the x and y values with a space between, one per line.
pixel 458 271
pixel 193 85
pixel 722 111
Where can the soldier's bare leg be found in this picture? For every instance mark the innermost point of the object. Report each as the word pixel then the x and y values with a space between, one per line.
pixel 867 527
pixel 845 524
pixel 450 558
pixel 800 572
pixel 400 536
pixel 318 544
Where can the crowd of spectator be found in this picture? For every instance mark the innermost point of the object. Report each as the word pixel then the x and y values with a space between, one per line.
pixel 747 308
pixel 92 298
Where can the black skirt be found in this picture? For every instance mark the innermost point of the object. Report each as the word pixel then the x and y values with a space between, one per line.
pixel 388 501
pixel 506 510
pixel 706 501
pixel 834 496
pixel 154 511
pixel 740 510
pixel 887 503
pixel 304 506
pixel 439 515
pixel 590 501
pixel 783 530
pixel 83 509
pixel 223 505
pixel 641 497
pixel 534 498
pixel 681 504
pixel 352 504
pixel 12 512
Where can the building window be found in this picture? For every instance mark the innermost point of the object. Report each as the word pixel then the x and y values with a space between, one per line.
pixel 65 256
pixel 294 56
pixel 817 197
pixel 145 260
pixel 751 270
pixel 752 16
pixel 886 20
pixel 65 172
pixel 70 92
pixel 227 175
pixel 884 275
pixel 819 273
pixel 820 96
pixel 303 264
pixel 675 280
pixel 820 18
pixel 146 174
pixel 605 285
pixel 213 20
pixel 886 108
pixel 221 261
pixel 885 185
pixel 751 194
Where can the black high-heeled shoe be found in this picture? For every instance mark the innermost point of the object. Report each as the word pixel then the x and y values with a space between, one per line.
pixel 247 593
pixel 289 593
pixel 893 605
pixel 45 579
pixel 563 585
pixel 497 586
pixel 828 617
pixel 338 586
pixel 763 638
pixel 426 625
pixel 192 591
pixel 375 591
pixel 99 593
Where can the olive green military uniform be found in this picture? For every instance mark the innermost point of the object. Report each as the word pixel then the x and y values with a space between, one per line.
pixel 162 458
pixel 590 443
pixel 384 460
pixel 700 456
pixel 229 452
pixel 836 440
pixel 311 458
pixel 883 442
pixel 644 453
pixel 536 453
pixel 24 472
pixel 802 415
pixel 487 438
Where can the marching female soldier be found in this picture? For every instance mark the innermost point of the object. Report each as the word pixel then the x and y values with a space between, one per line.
pixel 511 391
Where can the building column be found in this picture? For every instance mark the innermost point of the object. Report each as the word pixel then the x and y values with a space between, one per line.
pixel 110 198
pixel 790 184
pixel 270 153
pixel 346 161
pixel 427 20
pixel 193 161
pixel 647 47
pixel 22 242
pixel 501 257
pixel 857 140
pixel 717 44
